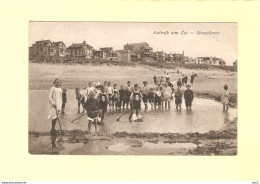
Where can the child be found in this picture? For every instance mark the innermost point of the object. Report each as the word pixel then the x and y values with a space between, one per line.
pixel 89 89
pixel 161 88
pixel 105 86
pixel 225 98
pixel 182 80
pixel 103 101
pixel 80 98
pixel 116 97
pixel 92 107
pixel 178 98
pixel 55 103
pixel 179 84
pixel 110 93
pixel 64 100
pixel 155 79
pixel 135 98
pixel 162 80
pixel 145 94
pixel 158 95
pixel 151 97
pixel 192 79
pixel 167 95
pixel 129 90
pixel 123 97
pixel 188 96
pixel 185 80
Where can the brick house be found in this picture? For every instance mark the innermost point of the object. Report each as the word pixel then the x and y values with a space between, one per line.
pixel 47 48
pixel 82 50
pixel 141 50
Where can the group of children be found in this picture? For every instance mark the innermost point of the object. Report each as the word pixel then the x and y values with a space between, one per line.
pixel 97 99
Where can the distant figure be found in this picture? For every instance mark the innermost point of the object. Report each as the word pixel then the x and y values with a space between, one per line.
pixel 92 107
pixel 167 77
pixel 185 80
pixel 178 98
pixel 155 79
pixel 135 98
pixel 64 100
pixel 192 79
pixel 188 96
pixel 182 80
pixel 225 98
pixel 80 99
pixel 162 81
pixel 179 84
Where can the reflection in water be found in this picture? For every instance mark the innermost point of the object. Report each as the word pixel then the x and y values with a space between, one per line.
pixel 226 116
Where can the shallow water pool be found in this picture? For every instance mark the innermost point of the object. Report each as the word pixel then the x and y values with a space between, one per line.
pixel 205 115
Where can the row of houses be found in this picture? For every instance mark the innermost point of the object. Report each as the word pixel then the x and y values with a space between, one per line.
pixel 131 52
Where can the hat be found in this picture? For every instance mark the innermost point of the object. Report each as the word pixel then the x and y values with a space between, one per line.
pixel 188 85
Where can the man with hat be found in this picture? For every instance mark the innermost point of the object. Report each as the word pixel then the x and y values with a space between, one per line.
pixel 188 96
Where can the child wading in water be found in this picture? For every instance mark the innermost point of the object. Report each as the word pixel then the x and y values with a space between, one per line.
pixel 92 107
pixel 225 98
pixel 167 94
pixel 151 97
pixel 123 97
pixel 55 103
pixel 135 98
pixel 129 90
pixel 110 93
pixel 80 98
pixel 178 98
pixel 145 94
pixel 64 100
pixel 188 96
pixel 158 98
pixel 103 102
pixel 116 97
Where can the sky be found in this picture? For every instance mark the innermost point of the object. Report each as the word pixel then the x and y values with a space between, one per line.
pixel 117 34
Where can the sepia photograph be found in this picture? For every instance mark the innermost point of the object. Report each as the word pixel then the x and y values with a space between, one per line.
pixel 132 88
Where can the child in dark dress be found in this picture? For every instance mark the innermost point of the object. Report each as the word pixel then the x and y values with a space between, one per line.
pixel 92 107
pixel 64 100
pixel 179 84
pixel 188 96
pixel 80 98
pixel 151 97
pixel 123 97
pixel 178 98
pixel 103 102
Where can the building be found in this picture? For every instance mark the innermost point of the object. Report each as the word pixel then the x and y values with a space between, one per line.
pixel 60 48
pixel 160 56
pixel 108 53
pixel 82 50
pixel 40 48
pixel 123 55
pixel 47 48
pixel 210 61
pixel 139 50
